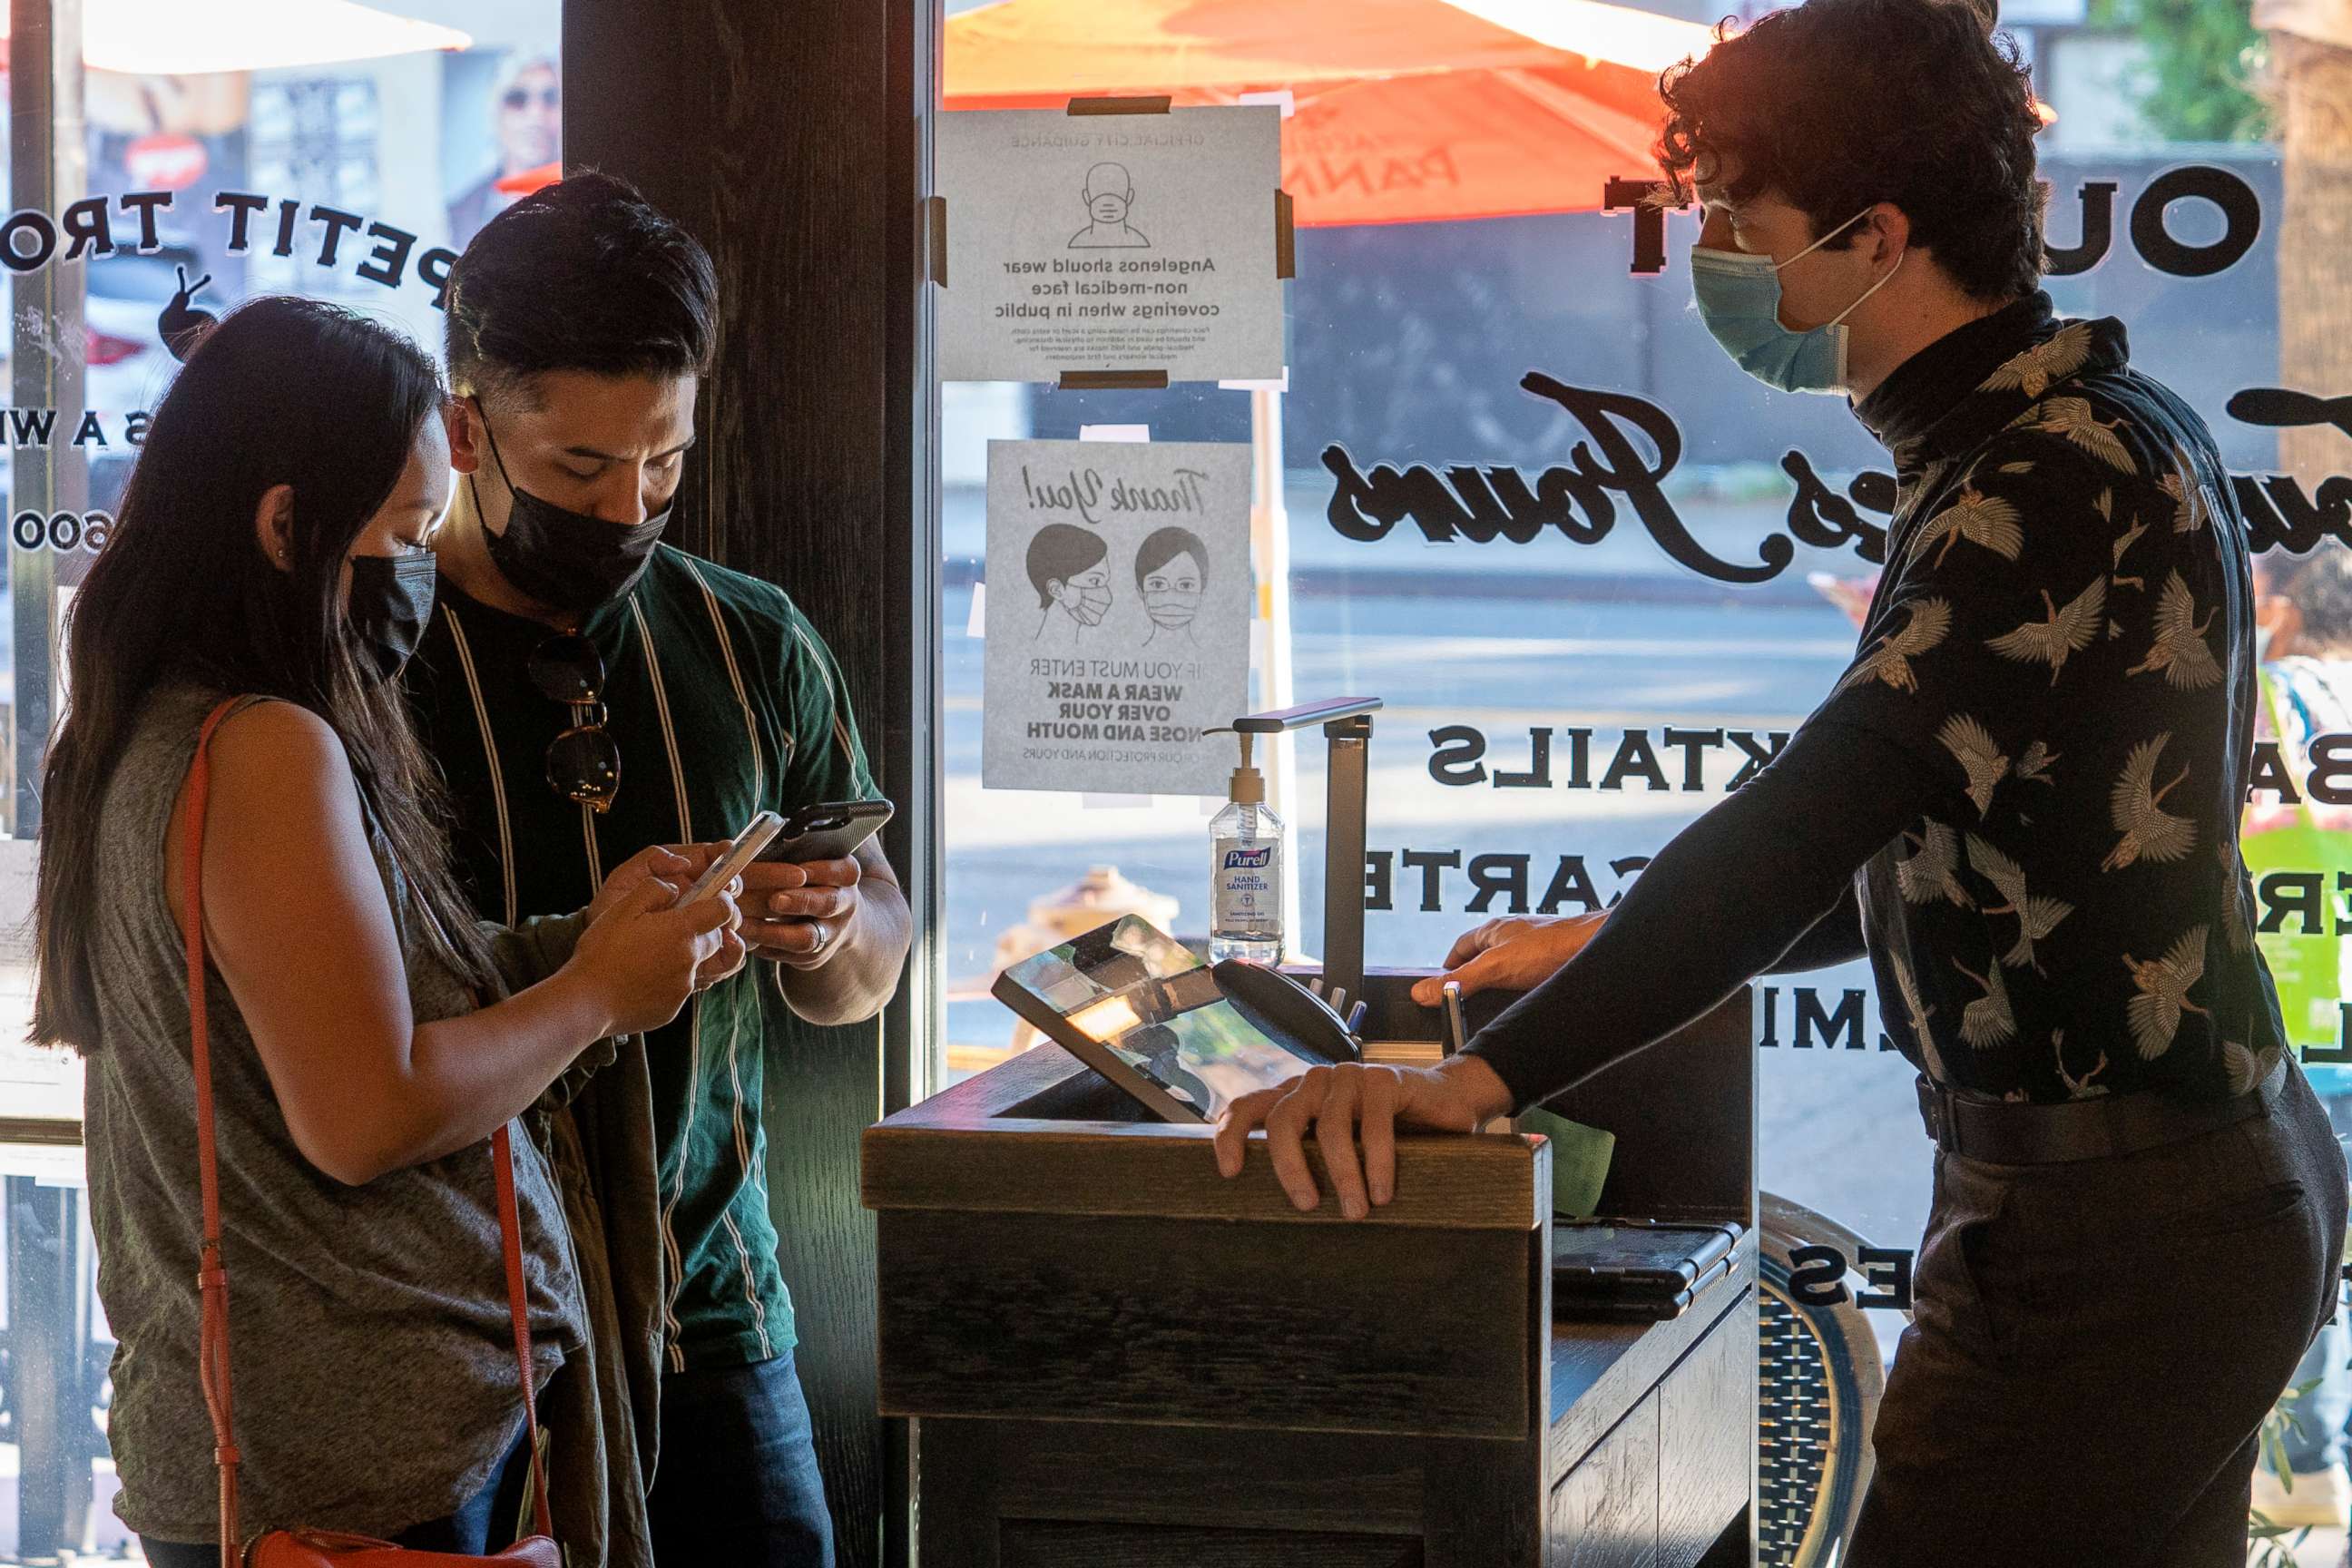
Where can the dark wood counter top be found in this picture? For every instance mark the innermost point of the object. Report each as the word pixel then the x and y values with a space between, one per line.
pixel 1109 1348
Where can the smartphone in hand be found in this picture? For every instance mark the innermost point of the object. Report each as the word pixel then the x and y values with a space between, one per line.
pixel 757 835
pixel 831 830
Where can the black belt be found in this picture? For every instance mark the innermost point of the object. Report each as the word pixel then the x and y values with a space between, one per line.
pixel 2006 1132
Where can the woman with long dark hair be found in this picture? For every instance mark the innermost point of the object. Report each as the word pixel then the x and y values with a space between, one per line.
pixel 270 553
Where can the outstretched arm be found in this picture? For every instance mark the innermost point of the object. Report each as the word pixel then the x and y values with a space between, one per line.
pixel 1746 887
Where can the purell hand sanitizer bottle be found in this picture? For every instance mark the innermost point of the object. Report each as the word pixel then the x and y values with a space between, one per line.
pixel 1246 871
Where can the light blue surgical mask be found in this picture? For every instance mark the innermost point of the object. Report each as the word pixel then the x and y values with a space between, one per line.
pixel 1738 298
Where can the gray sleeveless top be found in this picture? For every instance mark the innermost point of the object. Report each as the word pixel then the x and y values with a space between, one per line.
pixel 376 1383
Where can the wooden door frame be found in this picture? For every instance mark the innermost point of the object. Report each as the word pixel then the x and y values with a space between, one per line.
pixel 795 142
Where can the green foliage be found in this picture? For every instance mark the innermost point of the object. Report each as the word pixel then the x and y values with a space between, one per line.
pixel 2204 58
pixel 2273 1545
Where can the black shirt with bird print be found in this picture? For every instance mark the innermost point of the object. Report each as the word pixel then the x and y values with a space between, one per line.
pixel 2022 798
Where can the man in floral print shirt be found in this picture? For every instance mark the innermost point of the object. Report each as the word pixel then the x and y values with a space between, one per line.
pixel 2061 647
pixel 2020 801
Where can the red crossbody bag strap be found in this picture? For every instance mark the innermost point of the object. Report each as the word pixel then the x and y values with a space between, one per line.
pixel 212 1278
pixel 519 1310
pixel 211 1273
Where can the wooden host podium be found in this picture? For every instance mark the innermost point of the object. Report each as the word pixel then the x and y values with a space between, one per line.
pixel 1115 1357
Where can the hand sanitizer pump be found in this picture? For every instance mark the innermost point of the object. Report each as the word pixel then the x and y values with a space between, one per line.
pixel 1248 862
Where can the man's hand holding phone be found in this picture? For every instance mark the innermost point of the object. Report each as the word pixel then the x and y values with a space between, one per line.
pixel 795 912
pixel 802 896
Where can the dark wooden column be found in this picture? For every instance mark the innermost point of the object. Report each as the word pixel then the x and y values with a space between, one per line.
pixel 793 140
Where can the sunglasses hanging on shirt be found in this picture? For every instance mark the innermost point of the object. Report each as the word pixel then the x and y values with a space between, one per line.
pixel 583 764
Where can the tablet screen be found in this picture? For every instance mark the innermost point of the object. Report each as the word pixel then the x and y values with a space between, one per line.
pixel 1139 993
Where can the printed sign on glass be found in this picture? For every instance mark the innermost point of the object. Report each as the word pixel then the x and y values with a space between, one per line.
pixel 1117 617
pixel 1125 243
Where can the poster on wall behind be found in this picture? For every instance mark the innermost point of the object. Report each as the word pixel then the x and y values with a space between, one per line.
pixel 501 130
pixel 1118 615
pixel 1110 242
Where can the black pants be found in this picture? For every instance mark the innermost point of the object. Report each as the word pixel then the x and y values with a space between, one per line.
pixel 2095 1348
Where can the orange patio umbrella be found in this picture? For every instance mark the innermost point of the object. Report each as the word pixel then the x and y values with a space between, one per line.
pixel 1407 111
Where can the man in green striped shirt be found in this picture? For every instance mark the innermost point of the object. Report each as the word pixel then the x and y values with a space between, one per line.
pixel 589 691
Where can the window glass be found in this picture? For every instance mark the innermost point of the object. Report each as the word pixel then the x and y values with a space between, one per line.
pixel 350 156
pixel 1557 709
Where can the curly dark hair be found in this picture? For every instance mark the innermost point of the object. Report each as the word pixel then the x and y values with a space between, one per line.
pixel 1837 105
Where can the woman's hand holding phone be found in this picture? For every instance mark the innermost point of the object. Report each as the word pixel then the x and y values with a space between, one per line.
pixel 680 866
pixel 643 954
pixel 677 864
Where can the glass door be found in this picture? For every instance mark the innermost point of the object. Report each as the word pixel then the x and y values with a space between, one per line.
pixel 166 162
pixel 1567 688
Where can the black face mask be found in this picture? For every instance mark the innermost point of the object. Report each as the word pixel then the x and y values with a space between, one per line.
pixel 392 600
pixel 567 561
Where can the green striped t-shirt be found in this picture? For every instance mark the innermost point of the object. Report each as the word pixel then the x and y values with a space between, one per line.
pixel 723 702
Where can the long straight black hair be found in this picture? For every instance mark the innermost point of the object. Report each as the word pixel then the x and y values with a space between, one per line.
pixel 282 392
